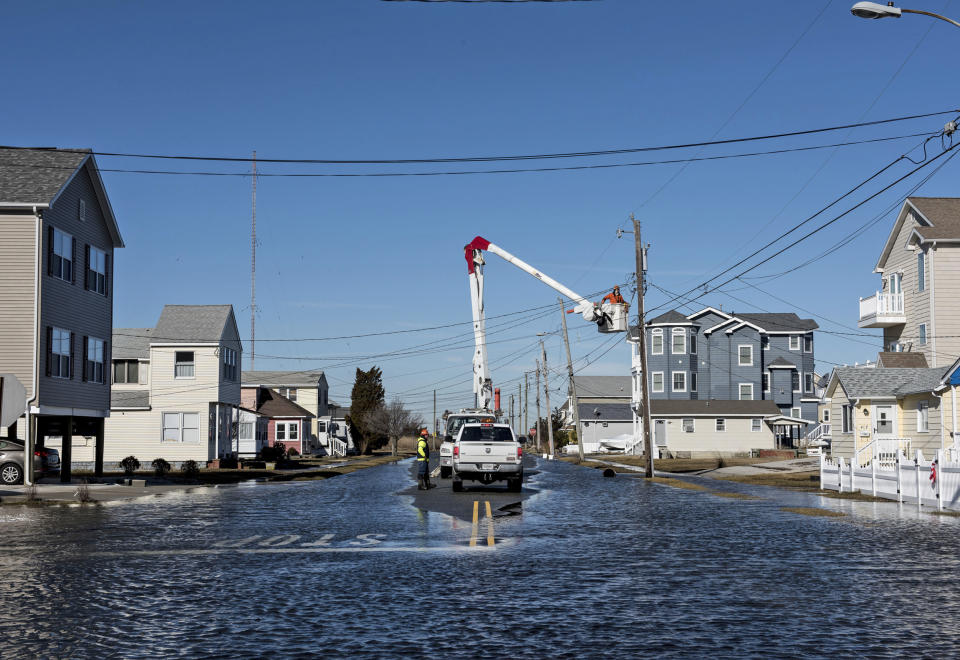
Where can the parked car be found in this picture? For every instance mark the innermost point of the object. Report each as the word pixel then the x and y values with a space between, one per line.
pixel 46 462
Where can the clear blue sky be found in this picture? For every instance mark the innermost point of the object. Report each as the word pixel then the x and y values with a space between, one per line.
pixel 359 79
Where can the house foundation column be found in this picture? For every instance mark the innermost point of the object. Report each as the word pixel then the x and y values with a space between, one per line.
pixel 98 448
pixel 66 449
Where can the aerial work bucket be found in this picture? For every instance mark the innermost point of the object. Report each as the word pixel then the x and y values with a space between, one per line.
pixel 614 317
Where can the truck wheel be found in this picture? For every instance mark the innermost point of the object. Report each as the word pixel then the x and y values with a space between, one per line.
pixel 457 485
pixel 445 471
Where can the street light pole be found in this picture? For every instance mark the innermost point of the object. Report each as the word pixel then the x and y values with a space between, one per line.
pixel 546 393
pixel 538 434
pixel 876 10
pixel 642 328
pixel 571 384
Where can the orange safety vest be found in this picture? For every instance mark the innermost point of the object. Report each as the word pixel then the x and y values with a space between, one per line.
pixel 613 298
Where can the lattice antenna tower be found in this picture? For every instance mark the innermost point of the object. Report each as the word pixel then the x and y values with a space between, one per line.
pixel 253 269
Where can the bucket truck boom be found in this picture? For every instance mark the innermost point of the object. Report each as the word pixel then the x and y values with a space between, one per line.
pixel 609 317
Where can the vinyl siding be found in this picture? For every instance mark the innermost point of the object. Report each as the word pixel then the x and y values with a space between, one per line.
pixel 842 444
pixel 138 433
pixel 706 441
pixel 946 276
pixel 928 442
pixel 17 287
pixel 70 306
pixel 229 390
pixel 916 304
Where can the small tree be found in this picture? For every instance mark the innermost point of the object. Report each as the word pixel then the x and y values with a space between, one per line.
pixel 393 421
pixel 130 465
pixel 366 396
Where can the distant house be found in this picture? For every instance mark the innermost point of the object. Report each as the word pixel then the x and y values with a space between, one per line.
pixel 604 407
pixel 58 234
pixel 308 389
pixel 288 422
pixel 713 428
pixel 177 387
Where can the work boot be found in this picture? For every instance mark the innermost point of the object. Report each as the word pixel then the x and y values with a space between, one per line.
pixel 426 482
pixel 420 484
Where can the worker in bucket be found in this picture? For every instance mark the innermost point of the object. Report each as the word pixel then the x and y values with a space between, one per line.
pixel 423 462
pixel 614 298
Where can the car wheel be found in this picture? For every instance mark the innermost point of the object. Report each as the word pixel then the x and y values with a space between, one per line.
pixel 445 471
pixel 10 474
pixel 457 485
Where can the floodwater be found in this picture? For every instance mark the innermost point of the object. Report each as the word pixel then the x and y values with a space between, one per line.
pixel 591 567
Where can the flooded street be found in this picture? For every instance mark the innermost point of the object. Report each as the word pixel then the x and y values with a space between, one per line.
pixel 587 566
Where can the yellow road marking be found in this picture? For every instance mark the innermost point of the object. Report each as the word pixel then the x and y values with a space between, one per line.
pixel 489 524
pixel 476 518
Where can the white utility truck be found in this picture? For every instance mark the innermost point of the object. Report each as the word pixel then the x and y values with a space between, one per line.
pixel 453 423
pixel 487 452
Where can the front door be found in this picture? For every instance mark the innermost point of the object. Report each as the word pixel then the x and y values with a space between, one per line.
pixel 885 418
pixel 660 432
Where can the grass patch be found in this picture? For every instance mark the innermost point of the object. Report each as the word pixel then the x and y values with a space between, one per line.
pixel 804 481
pixel 734 496
pixel 676 483
pixel 810 511
pixel 948 514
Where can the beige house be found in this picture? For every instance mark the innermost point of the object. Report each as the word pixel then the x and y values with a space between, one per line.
pixel 176 391
pixel 710 428
pixel 308 389
pixel 919 267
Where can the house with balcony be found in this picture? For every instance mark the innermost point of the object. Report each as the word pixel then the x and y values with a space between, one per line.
pixel 176 388
pixel 308 389
pixel 728 356
pixel 58 234
pixel 919 269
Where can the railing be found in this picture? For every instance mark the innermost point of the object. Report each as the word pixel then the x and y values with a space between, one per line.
pixel 882 452
pixel 819 432
pixel 882 304
pixel 337 447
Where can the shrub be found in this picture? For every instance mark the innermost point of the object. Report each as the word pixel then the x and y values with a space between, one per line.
pixel 292 452
pixel 160 467
pixel 130 465
pixel 190 470
pixel 275 453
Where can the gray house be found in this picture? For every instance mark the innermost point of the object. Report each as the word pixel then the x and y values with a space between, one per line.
pixel 57 239
pixel 727 356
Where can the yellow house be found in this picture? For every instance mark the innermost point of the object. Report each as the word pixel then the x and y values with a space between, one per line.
pixel 901 405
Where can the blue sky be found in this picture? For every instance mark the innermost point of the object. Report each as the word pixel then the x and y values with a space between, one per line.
pixel 358 79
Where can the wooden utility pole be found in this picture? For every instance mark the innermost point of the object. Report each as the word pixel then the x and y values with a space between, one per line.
pixel 253 269
pixel 539 433
pixel 526 404
pixel 546 393
pixel 519 405
pixel 641 256
pixel 571 385
pixel 434 418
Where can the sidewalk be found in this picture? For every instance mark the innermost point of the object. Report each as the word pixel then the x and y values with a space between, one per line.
pixel 57 492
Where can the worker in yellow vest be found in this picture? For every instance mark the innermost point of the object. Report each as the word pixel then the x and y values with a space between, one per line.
pixel 423 462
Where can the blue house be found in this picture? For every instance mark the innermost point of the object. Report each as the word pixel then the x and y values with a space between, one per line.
pixel 729 356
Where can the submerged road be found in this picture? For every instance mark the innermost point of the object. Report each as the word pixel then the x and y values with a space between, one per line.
pixel 576 566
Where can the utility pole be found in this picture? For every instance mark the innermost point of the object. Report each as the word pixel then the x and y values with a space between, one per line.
pixel 539 433
pixel 434 418
pixel 526 403
pixel 641 256
pixel 571 385
pixel 546 393
pixel 519 404
pixel 253 270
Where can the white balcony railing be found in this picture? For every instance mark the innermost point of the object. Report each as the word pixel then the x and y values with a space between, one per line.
pixel 882 308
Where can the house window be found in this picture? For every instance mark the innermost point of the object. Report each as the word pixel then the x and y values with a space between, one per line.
pixel 923 334
pixel 765 381
pixel 94 367
pixel 693 382
pixel 246 430
pixel 808 343
pixel 921 275
pixel 688 425
pixel 721 425
pixel 745 355
pixel 746 391
pixel 60 353
pixel 126 371
pixel 62 256
pixel 82 211
pixel 229 363
pixel 96 279
pixel 289 392
pixel 826 415
pixel 794 342
pixel 765 342
pixel 288 431
pixel 846 418
pixel 693 343
pixel 657 381
pixel 678 344
pixel 795 381
pixel 808 383
pixel 679 381
pixel 755 425
pixel 181 427
pixel 923 417
pixel 656 342
pixel 795 413
pixel 184 365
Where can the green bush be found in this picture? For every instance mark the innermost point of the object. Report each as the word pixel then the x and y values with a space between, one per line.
pixel 273 454
pixel 292 452
pixel 130 465
pixel 190 470
pixel 160 467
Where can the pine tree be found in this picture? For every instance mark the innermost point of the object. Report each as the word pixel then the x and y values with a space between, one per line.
pixel 366 396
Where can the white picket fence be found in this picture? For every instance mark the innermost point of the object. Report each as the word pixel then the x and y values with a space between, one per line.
pixel 934 483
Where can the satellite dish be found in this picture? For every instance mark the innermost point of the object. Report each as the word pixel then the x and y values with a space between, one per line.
pixel 13 399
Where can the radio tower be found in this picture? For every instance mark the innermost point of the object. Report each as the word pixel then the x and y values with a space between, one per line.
pixel 253 270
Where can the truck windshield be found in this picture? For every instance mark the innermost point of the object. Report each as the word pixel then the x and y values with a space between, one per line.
pixel 454 423
pixel 486 434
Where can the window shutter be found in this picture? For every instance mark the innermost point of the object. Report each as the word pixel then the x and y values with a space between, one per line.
pixel 73 255
pixel 49 348
pixel 86 348
pixel 86 265
pixel 106 362
pixel 106 274
pixel 71 356
pixel 49 250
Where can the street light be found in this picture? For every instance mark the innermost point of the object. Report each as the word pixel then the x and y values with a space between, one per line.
pixel 876 10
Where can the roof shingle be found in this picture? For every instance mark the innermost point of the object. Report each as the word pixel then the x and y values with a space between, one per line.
pixel 35 176
pixel 191 323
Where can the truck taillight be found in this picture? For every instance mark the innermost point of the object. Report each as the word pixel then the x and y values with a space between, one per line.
pixel 456 451
pixel 519 453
